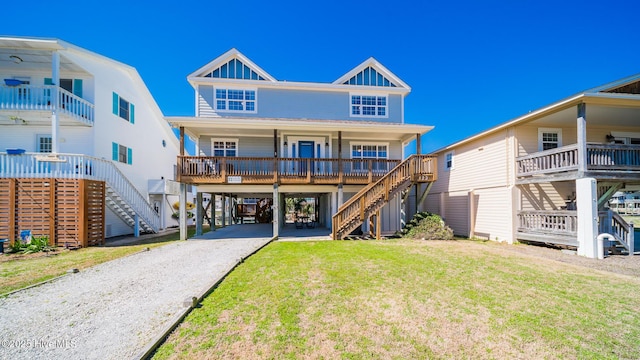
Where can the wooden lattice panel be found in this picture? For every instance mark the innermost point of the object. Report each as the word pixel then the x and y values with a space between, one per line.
pixel 33 210
pixel 94 207
pixel 70 212
pixel 67 209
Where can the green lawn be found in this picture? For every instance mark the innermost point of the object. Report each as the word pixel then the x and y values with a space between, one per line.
pixel 18 271
pixel 410 299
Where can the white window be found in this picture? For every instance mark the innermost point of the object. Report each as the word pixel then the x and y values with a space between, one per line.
pixel 236 100
pixel 549 138
pixel 448 160
pixel 44 143
pixel 224 147
pixel 367 151
pixel 368 106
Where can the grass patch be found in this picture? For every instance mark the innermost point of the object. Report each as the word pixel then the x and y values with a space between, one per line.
pixel 18 271
pixel 410 299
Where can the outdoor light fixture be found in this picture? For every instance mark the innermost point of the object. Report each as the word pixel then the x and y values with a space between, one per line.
pixel 285 143
pixel 16 59
pixel 610 137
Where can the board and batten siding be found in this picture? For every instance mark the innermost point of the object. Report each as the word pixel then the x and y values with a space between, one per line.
pixel 457 212
pixel 491 213
pixel 299 104
pixel 247 146
pixel 394 150
pixel 481 169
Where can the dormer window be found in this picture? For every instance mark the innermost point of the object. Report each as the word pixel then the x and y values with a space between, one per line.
pixel 236 100
pixel 369 106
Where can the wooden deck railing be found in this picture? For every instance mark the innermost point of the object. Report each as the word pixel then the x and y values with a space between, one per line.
pixel 417 168
pixel 39 97
pixel 561 222
pixel 257 170
pixel 79 166
pixel 607 157
pixel 612 223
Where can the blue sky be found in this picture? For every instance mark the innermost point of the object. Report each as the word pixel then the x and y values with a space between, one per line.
pixel 471 64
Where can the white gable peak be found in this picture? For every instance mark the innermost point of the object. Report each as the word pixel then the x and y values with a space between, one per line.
pixel 371 73
pixel 233 65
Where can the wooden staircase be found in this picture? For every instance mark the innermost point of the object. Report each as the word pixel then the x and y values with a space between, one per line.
pixel 368 201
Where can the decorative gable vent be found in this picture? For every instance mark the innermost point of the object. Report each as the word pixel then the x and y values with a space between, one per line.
pixel 369 77
pixel 632 88
pixel 234 69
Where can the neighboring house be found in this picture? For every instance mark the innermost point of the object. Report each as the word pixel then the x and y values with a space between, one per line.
pixel 258 137
pixel 81 116
pixel 547 175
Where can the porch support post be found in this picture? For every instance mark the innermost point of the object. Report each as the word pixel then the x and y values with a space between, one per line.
pixel 163 220
pixel 275 211
pixel 224 210
pixel 136 225
pixel 340 169
pixel 582 139
pixel 418 144
pixel 181 140
pixel 199 213
pixel 472 213
pixel 275 143
pixel 55 79
pixel 183 211
pixel 587 204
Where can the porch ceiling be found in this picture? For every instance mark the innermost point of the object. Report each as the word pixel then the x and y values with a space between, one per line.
pixel 201 126
pixel 597 115
pixel 33 60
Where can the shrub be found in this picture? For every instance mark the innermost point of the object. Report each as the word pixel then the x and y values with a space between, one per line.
pixel 37 244
pixel 429 227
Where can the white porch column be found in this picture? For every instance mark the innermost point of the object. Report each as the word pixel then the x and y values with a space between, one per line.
pixel 275 211
pixel 55 79
pixel 199 213
pixel 582 138
pixel 340 196
pixel 183 211
pixel 587 204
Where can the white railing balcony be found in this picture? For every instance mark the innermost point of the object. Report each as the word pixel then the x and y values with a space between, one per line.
pixel 560 222
pixel 613 224
pixel 78 166
pixel 40 98
pixel 600 157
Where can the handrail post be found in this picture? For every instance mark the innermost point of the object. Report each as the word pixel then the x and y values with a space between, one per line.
pixel 275 170
pixel 180 169
pixel 370 161
pixel 223 170
pixel 631 239
pixel 362 204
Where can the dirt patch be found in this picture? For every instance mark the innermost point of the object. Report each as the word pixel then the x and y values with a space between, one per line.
pixel 615 264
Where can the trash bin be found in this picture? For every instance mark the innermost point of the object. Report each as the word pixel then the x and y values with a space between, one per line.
pixel 2 241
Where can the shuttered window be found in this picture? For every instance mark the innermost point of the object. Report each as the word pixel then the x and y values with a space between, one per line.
pixel 121 153
pixel 123 108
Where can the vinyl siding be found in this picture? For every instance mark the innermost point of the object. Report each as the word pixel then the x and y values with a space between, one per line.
pixel 457 212
pixel 299 104
pixel 492 211
pixel 479 164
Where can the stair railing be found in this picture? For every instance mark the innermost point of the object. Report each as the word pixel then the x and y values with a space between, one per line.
pixel 373 196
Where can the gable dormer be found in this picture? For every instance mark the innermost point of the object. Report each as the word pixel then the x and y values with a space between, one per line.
pixel 232 65
pixel 371 73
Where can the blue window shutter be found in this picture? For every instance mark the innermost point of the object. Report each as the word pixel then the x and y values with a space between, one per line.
pixel 132 113
pixel 77 87
pixel 48 81
pixel 114 148
pixel 129 153
pixel 116 104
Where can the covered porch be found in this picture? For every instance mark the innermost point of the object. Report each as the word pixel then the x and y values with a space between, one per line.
pixel 586 150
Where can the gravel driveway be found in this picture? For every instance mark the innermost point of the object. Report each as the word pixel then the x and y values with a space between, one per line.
pixel 113 310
